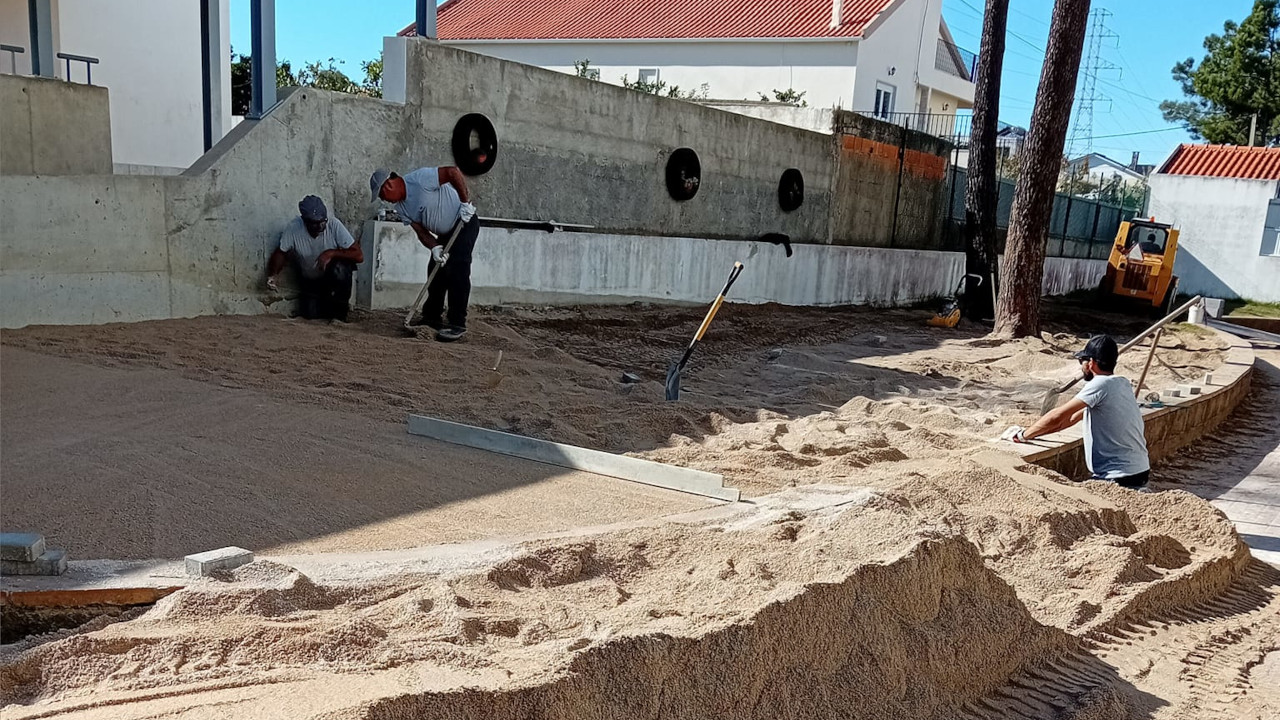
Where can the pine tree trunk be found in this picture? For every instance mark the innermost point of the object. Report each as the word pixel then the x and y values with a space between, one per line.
pixel 1018 310
pixel 982 191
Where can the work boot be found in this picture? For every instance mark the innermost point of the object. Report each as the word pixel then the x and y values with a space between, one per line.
pixel 450 333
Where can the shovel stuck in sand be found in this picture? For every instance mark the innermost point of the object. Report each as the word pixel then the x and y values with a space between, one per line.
pixel 673 372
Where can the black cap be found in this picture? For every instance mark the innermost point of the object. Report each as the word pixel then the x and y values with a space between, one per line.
pixel 312 209
pixel 1101 348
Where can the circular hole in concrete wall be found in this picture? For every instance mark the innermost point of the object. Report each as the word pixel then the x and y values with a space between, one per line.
pixel 475 144
pixel 684 174
pixel 791 190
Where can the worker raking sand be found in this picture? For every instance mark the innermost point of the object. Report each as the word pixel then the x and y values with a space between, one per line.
pixel 434 202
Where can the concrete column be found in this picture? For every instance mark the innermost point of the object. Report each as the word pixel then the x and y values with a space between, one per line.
pixel 215 59
pixel 426 18
pixel 263 65
pixel 40 17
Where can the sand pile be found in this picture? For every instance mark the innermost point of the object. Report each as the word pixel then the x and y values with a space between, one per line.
pixel 910 598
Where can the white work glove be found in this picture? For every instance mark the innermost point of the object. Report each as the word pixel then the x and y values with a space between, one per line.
pixel 1016 433
pixel 273 284
pixel 439 255
pixel 466 212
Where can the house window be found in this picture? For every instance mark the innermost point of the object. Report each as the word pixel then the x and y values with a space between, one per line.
pixel 1271 231
pixel 885 96
pixel 648 75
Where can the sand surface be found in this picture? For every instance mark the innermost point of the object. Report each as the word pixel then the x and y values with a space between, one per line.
pixel 891 564
pixel 141 463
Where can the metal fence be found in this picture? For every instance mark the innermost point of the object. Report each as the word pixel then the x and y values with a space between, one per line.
pixel 1078 227
pixel 955 129
pixel 955 60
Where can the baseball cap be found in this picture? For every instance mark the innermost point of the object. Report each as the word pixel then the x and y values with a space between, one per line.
pixel 380 176
pixel 1101 348
pixel 312 209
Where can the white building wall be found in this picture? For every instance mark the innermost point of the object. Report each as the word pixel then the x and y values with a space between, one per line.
pixel 1220 244
pixel 733 70
pixel 891 51
pixel 149 52
pixel 14 31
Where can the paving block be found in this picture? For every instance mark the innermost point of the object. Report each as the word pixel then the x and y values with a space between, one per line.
pixel 50 562
pixel 1189 390
pixel 204 564
pixel 1171 393
pixel 1208 378
pixel 23 547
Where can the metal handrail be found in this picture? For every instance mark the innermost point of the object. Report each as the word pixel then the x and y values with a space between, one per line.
pixel 13 51
pixel 89 62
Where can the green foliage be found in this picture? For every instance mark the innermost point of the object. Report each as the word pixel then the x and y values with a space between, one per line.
pixel 1238 77
pixel 323 76
pixel 659 87
pixel 789 96
pixel 582 68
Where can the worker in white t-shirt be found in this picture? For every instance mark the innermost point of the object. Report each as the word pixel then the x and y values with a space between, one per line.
pixel 1115 443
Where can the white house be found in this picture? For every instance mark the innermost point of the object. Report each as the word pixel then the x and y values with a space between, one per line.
pixel 1226 202
pixel 882 57
pixel 1102 169
pixel 148 54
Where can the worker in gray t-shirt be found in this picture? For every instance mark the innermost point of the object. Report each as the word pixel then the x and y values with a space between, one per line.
pixel 433 201
pixel 1115 444
pixel 325 256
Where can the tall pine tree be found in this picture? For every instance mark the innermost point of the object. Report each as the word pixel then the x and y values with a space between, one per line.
pixel 1018 309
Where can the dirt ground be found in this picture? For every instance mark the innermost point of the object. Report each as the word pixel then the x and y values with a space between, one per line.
pixel 891 564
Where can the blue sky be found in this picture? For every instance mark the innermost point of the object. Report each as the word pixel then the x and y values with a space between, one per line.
pixel 1153 35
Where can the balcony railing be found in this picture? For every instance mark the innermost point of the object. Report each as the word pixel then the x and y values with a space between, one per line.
pixel 955 129
pixel 955 60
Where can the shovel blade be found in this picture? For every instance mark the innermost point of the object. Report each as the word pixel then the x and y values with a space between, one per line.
pixel 673 382
pixel 1050 401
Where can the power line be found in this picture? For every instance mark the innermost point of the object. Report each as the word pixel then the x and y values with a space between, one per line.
pixel 1140 132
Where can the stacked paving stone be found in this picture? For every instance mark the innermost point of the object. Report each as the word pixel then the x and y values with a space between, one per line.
pixel 26 554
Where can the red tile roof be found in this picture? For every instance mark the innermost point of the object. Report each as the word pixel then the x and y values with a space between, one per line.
pixel 1226 161
pixel 638 19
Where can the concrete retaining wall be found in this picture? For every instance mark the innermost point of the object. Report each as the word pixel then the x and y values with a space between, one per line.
pixel 1064 275
pixel 571 150
pixel 514 266
pixel 51 127
pixel 1181 422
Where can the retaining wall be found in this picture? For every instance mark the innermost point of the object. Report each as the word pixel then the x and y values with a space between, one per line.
pixel 51 127
pixel 141 247
pixel 529 266
pixel 1181 422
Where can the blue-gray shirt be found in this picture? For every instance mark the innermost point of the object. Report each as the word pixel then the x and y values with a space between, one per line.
pixel 1115 443
pixel 428 203
pixel 295 238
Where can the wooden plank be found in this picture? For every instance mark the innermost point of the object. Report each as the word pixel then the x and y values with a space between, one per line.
pixel 622 467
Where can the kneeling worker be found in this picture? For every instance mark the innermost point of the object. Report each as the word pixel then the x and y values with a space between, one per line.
pixel 433 201
pixel 1115 445
pixel 326 257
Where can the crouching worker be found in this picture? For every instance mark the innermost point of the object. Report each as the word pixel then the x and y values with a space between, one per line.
pixel 1115 443
pixel 325 255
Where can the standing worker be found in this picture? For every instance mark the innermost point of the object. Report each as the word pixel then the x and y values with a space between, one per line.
pixel 1115 443
pixel 433 201
pixel 326 257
